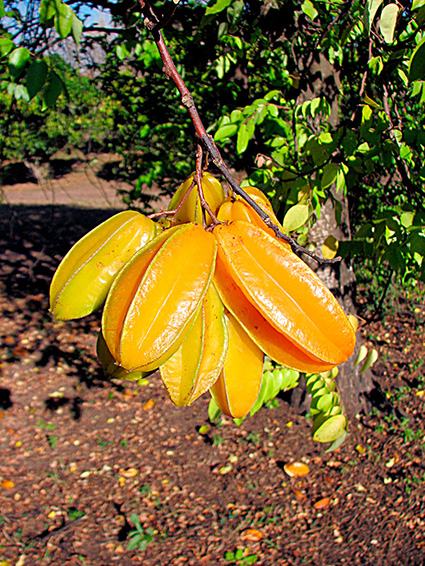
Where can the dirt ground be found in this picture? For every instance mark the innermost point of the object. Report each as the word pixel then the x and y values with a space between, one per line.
pixel 97 473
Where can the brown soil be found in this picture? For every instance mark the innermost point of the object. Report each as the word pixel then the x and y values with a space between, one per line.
pixel 81 456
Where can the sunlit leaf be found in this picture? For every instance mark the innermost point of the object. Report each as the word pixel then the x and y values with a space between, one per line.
pixel 309 10
pixel 6 46
pixel 47 10
pixel 296 217
pixel 213 410
pixel 388 22
pixel 17 60
pixel 77 29
pixel 219 6
pixel 416 4
pixel 245 133
pixel 330 247
pixel 328 429
pixel 64 20
pixel 226 131
pixel 370 360
pixel 372 7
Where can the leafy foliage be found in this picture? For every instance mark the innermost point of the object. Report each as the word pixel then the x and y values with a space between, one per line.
pixel 317 101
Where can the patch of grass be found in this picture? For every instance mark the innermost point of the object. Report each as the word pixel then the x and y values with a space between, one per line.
pixel 139 537
pixel 240 557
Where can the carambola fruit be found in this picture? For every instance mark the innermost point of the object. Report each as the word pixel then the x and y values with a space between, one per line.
pixel 84 277
pixel 239 382
pixel 155 299
pixel 282 304
pixel 188 203
pixel 195 367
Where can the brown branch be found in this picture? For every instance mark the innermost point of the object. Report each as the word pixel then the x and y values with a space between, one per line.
pixel 198 178
pixel 154 24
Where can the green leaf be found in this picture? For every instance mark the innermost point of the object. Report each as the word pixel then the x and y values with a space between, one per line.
pixel 63 20
pixel 36 77
pixel 325 137
pixel 226 131
pixel 77 29
pixel 17 60
pixel 47 10
pixel 213 410
pixel 416 4
pixel 245 133
pixel 2 12
pixel 328 429
pixel 6 46
pixel 53 90
pixel 21 92
pixel 372 7
pixel 417 62
pixel 219 6
pixel 330 172
pixel 330 247
pixel 338 442
pixel 370 360
pixel 296 217
pixel 309 10
pixel 388 22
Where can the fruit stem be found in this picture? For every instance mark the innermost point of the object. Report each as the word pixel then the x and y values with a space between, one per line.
pixel 198 178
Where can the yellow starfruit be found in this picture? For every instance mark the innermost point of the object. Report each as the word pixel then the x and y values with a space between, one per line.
pixel 155 299
pixel 273 292
pixel 188 204
pixel 236 208
pixel 85 275
pixel 239 382
pixel 195 367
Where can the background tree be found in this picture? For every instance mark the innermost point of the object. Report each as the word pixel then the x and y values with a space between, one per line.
pixel 320 104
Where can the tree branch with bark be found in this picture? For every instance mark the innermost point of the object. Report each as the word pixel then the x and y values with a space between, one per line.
pixel 155 24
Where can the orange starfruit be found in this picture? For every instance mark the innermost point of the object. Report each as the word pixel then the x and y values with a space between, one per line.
pixel 238 385
pixel 237 208
pixel 157 296
pixel 282 304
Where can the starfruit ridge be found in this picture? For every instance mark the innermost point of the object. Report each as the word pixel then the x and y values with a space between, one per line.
pixel 195 366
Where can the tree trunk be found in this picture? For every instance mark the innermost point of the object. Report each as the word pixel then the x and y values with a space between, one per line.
pixel 340 279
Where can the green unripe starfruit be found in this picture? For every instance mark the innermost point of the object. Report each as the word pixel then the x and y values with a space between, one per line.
pixel 85 275
pixel 110 366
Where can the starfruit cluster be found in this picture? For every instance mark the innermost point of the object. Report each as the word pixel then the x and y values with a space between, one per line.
pixel 200 299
